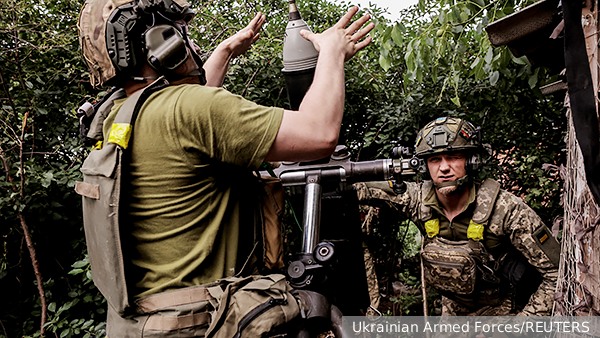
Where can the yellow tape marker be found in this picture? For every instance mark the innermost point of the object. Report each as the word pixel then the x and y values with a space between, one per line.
pixel 432 227
pixel 120 134
pixel 475 231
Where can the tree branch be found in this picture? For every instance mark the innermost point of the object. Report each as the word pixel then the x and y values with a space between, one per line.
pixel 250 81
pixel 4 329
pixel 36 270
pixel 27 235
pixel 21 166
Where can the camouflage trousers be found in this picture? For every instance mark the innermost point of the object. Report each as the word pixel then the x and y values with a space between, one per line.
pixel 453 308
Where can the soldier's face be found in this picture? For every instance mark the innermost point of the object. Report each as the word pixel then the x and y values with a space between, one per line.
pixel 447 167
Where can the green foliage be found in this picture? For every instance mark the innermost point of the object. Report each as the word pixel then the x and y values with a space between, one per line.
pixel 406 304
pixel 43 81
pixel 66 320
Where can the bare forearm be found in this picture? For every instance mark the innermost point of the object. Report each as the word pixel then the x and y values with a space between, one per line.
pixel 323 104
pixel 216 66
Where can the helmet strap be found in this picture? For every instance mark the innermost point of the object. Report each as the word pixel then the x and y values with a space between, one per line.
pixel 458 183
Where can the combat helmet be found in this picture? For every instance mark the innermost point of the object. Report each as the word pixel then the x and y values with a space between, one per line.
pixel 447 134
pixel 450 134
pixel 117 37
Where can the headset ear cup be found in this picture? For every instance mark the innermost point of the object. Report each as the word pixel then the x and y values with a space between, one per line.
pixel 473 163
pixel 165 48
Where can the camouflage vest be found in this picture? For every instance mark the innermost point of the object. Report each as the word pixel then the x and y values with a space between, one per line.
pixel 459 266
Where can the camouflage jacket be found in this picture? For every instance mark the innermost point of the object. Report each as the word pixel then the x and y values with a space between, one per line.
pixel 509 222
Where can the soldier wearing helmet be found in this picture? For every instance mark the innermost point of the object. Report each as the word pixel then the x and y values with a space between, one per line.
pixel 485 250
pixel 183 213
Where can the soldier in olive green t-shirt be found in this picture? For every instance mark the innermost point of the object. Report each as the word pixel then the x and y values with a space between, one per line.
pixel 185 185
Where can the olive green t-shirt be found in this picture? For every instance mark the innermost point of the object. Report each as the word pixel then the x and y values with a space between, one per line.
pixel 191 146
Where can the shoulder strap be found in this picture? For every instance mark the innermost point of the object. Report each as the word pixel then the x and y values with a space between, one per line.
pixel 486 198
pixel 122 127
pixel 131 107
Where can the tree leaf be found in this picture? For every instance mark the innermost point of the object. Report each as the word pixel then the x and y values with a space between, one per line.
pixel 457 29
pixel 387 45
pixel 47 180
pixel 456 101
pixel 397 35
pixel 387 34
pixel 385 62
pixel 533 79
pixel 442 17
pixel 410 61
pixel 494 78
pixel 520 61
pixel 489 55
pixel 52 307
pixel 434 73
pixel 79 264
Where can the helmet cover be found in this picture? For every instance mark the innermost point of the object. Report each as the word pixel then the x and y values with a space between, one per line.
pixel 447 134
pixel 92 24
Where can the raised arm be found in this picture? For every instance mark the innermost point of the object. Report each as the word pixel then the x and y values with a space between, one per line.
pixel 217 64
pixel 312 132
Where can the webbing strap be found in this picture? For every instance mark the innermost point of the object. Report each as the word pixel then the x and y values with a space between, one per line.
pixel 159 323
pixel 122 127
pixel 486 198
pixel 128 112
pixel 173 298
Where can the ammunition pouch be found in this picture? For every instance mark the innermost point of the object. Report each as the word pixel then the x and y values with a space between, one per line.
pixel 255 306
pixel 456 266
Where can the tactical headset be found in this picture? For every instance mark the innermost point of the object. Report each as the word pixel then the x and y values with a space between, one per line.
pixel 145 31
